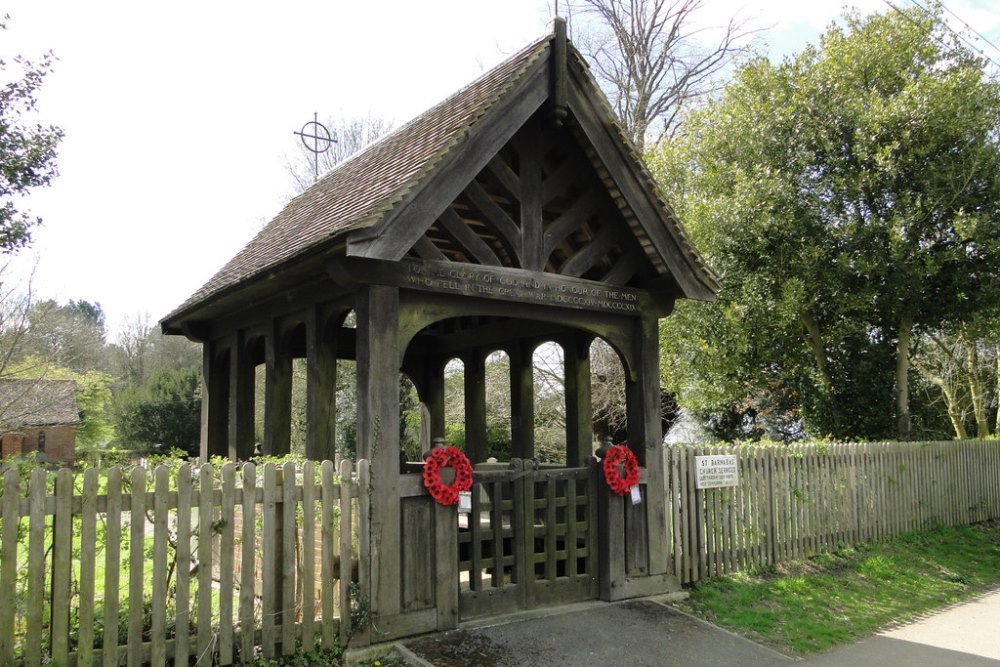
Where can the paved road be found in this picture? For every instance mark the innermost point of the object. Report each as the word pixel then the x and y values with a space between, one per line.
pixel 646 633
pixel 966 635
pixel 638 633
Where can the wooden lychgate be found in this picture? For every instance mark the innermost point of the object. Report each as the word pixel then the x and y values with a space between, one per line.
pixel 512 214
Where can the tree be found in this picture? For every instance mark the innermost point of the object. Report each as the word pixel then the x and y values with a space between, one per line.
pixel 163 413
pixel 70 335
pixel 351 135
pixel 27 152
pixel 650 59
pixel 849 198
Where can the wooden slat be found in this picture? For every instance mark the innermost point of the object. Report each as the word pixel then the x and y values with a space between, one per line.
pixel 288 485
pixel 571 525
pixel 571 220
pixel 496 524
pixel 467 238
pixel 362 491
pixel 248 552
pixel 182 595
pixel 475 544
pixel 206 517
pixel 158 629
pixel 529 149
pixel 8 563
pixel 605 239
pixel 227 546
pixel 496 218
pixel 36 567
pixel 503 173
pixel 88 561
pixel 347 490
pixel 269 605
pixel 550 528
pixel 112 565
pixel 308 555
pixel 136 564
pixel 426 249
pixel 328 534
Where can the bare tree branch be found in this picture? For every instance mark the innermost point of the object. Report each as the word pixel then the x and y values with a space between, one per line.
pixel 652 61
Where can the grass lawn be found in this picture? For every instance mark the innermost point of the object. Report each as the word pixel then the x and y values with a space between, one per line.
pixel 813 605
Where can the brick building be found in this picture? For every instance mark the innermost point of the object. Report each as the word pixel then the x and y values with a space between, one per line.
pixel 39 416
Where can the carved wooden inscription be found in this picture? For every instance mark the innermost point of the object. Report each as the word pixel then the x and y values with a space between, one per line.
pixel 523 287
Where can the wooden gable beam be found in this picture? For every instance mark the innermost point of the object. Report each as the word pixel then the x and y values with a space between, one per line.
pixel 496 217
pixel 649 213
pixel 423 205
pixel 587 256
pixel 468 239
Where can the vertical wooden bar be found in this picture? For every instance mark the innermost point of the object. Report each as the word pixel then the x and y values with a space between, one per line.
pixel 248 553
pixel 571 526
pixel 277 393
pixel 308 555
pixel 206 518
pixel 288 486
pixel 529 146
pixel 62 559
pixel 321 389
pixel 136 564
pixel 476 543
pixel 112 566
pixel 241 400
pixel 227 547
pixel 36 567
pixel 475 405
pixel 328 549
pixel 522 401
pixel 158 629
pixel 446 563
pixel 271 563
pixel 215 400
pixel 8 564
pixel 182 598
pixel 378 313
pixel 646 441
pixel 347 490
pixel 530 523
pixel 88 562
pixel 687 516
pixel 579 408
pixel 363 491
pixel 550 528
pixel 496 523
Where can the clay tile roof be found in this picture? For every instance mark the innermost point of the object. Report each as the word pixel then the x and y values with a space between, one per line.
pixel 34 403
pixel 364 188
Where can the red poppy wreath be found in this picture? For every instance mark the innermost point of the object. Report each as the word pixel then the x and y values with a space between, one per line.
pixel 620 454
pixel 447 457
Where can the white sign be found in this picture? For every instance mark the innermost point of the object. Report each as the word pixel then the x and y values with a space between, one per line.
pixel 715 471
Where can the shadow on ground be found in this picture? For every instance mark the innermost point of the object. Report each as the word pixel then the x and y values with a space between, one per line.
pixel 639 633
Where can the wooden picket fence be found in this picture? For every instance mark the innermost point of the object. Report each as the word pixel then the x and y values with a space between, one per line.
pixel 800 500
pixel 105 568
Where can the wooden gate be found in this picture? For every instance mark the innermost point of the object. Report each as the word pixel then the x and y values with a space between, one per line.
pixel 530 540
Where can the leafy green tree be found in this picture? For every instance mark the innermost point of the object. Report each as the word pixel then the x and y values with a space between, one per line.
pixel 27 152
pixel 849 197
pixel 163 413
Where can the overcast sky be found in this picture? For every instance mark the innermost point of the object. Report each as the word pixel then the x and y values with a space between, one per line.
pixel 179 115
